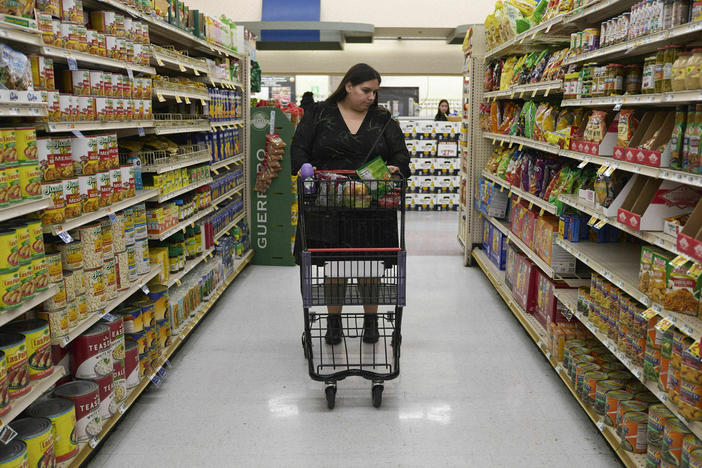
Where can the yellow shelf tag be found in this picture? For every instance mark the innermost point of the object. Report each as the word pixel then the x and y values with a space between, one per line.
pixel 521 145
pixel 602 169
pixel 531 205
pixel 159 61
pixel 519 198
pixel 601 224
pixel 649 314
pixel 664 325
pixel 202 101
pixel 547 91
pixel 181 67
pixel 197 73
pixel 678 261
pixel 160 97
pixel 592 221
pixel 541 212
pixel 187 101
pixel 178 282
pixel 695 269
pixel 533 94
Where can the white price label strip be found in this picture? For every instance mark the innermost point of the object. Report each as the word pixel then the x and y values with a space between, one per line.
pixel 145 288
pixel 7 434
pixel 65 237
pixel 94 442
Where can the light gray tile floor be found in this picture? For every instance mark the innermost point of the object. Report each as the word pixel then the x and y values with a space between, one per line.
pixel 474 390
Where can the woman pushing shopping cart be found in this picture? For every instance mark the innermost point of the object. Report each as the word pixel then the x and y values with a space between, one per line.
pixel 350 240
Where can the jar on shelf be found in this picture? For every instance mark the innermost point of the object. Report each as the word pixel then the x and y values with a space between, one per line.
pixel 678 82
pixel 632 79
pixel 671 55
pixel 614 84
pixel 648 76
pixel 658 74
pixel 693 73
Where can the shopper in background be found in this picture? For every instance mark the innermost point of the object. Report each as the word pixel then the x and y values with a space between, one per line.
pixel 443 111
pixel 338 134
pixel 307 101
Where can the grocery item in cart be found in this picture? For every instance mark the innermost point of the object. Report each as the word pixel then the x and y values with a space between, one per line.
pixel 86 402
pixel 37 433
pixel 62 414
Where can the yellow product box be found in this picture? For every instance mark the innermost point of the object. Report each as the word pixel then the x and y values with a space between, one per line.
pixel 159 256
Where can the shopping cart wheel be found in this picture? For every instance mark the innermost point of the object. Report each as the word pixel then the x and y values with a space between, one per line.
pixel 377 395
pixel 330 392
pixel 304 346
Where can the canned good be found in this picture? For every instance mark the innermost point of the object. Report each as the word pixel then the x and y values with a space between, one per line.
pixel 72 310
pixel 62 414
pixel 72 255
pixel 90 353
pixel 110 275
pixel 131 363
pixel 690 444
pixel 54 266
pixel 9 146
pixel 15 349
pixel 152 335
pixel 14 454
pixel 696 455
pixel 128 184
pixel 59 323
pixel 122 271
pixel 84 154
pixel 30 180
pixel 106 391
pixel 39 437
pixel 139 338
pixel 10 289
pixel 82 306
pixel 657 416
pixel 56 214
pixel 132 263
pixel 86 402
pixel 4 386
pixel 106 230
pixel 164 330
pixel 614 400
pixel 143 262
pixel 133 320
pixel 633 432
pixel 604 386
pixel 120 381
pixel 26 144
pixel 9 257
pixel 147 312
pixel 116 182
pixel 91 240
pixel 62 157
pixel 38 344
pixel 36 238
pixel 590 381
pixel 673 435
pixel 14 191
pixel 59 299
pixel 41 275
pixel 4 187
pixel 96 289
pixel 89 195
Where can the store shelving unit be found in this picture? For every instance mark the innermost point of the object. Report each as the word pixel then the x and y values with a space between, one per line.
pixel 182 225
pixel 63 55
pixel 176 341
pixel 94 317
pixel 171 127
pixel 618 263
pixel 94 125
pixel 142 195
pixel 24 207
pixel 544 88
pixel 229 226
pixel 9 315
pixel 228 195
pixel 538 335
pixel 173 60
pixel 189 265
pixel 226 123
pixel 192 159
pixel 180 93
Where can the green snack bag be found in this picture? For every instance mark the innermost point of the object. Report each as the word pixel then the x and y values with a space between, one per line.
pixel 374 171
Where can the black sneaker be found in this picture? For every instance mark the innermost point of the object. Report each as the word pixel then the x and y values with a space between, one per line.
pixel 370 328
pixel 334 329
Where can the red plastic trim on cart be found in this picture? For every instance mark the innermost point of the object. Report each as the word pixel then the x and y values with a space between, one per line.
pixel 370 249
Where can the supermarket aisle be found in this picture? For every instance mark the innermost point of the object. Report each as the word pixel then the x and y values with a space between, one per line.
pixel 473 391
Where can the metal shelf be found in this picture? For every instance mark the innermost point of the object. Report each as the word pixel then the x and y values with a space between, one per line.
pixel 182 127
pixel 39 387
pixel 198 157
pixel 24 207
pixel 659 99
pixel 192 93
pixel 528 90
pixel 514 45
pixel 226 123
pixel 165 59
pixel 224 83
pixel 569 298
pixel 96 125
pixel 16 33
pixel 535 331
pixel 533 200
pixel 619 264
pixel 641 45
pixel 94 317
pixel 87 448
pixel 189 265
pixel 181 225
pixel 238 159
pixel 90 59
pixel 228 195
pixel 142 195
pixel 22 104
pixel 9 315
pixel 176 193
pixel 233 223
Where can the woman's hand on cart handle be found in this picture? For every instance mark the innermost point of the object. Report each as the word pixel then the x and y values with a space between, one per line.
pixel 393 169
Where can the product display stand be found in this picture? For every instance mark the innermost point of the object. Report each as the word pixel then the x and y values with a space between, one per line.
pixel 272 229
pixel 605 244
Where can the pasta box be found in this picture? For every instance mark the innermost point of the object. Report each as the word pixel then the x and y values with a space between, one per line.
pixel 548 308
pixel 498 247
pixel 524 283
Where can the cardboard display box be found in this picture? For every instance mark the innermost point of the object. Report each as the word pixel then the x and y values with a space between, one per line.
pixel 510 265
pixel 690 237
pixel 603 148
pixel 548 309
pixel 498 247
pixel 652 200
pixel 659 124
pixel 524 283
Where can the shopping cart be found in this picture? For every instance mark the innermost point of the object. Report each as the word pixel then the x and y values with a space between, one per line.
pixel 352 254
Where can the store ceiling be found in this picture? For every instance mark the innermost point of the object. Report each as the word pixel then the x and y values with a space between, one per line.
pixel 333 35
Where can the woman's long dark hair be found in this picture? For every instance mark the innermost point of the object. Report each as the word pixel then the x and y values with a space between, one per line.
pixel 359 73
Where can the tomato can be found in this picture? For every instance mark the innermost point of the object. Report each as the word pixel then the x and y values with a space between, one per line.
pixel 38 435
pixel 90 353
pixel 86 402
pixel 62 414
pixel 38 343
pixel 131 363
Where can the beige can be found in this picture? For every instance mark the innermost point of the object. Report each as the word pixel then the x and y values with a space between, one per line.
pixel 54 266
pixel 58 300
pixel 96 289
pixel 91 238
pixel 71 192
pixel 82 305
pixel 71 255
pixel 89 195
pixel 57 213
pixel 59 324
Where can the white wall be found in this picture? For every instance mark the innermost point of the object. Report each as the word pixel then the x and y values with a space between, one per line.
pixel 381 13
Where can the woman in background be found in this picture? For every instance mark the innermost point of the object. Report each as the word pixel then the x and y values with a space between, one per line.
pixel 443 111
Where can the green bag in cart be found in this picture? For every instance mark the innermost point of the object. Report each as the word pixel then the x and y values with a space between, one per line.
pixel 372 173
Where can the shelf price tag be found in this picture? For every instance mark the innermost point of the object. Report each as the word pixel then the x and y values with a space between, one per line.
pixel 197 73
pixel 531 205
pixel 145 288
pixel 78 134
pixel 156 380
pixel 202 101
pixel 618 106
pixel 582 164
pixel 72 64
pixel 109 317
pixel 600 224
pixel 592 221
pixel 122 409
pixel 548 90
pixel 112 217
pixel 65 237
pixel 140 131
pixel 187 101
pixel 160 97
pixel 130 73
pixel 181 67
pixel 7 434
pixel 159 61
pixel 521 145
pixel 215 171
pixel 679 261
pixel 695 269
pixel 177 98
pixel 541 212
pixel 601 425
pixel 94 442
pixel 602 169
pixel 664 325
pixel 533 93
pixel 178 282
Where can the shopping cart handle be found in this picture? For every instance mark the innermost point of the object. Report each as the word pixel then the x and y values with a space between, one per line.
pixel 368 249
pixel 338 171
